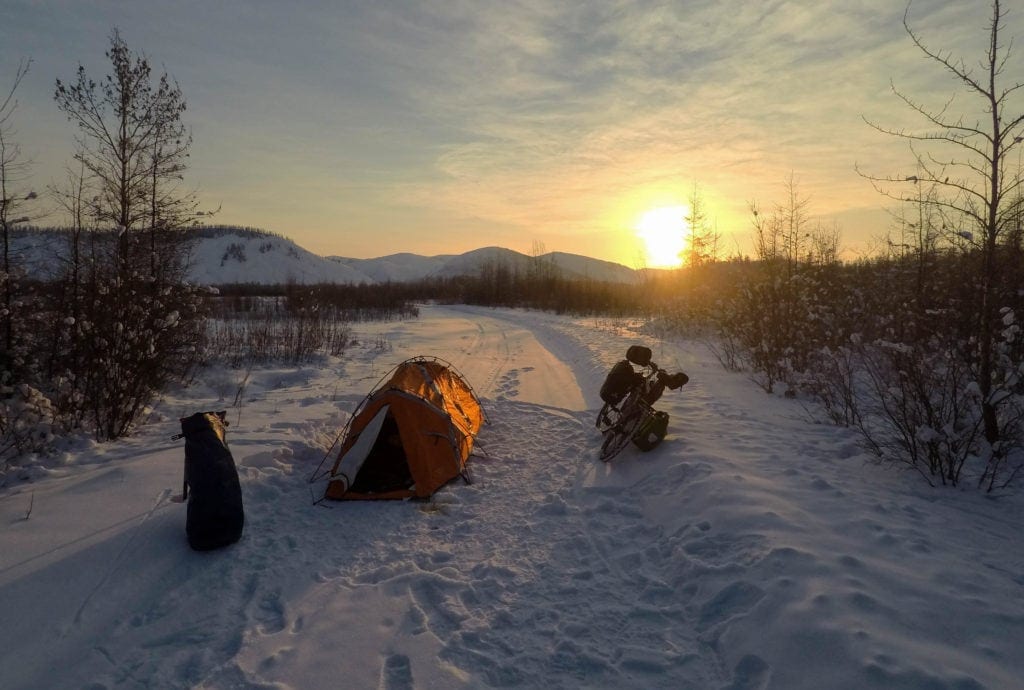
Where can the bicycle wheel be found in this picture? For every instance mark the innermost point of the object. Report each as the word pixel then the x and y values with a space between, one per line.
pixel 619 435
pixel 607 417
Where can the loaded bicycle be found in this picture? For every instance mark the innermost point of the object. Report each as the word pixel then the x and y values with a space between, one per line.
pixel 628 395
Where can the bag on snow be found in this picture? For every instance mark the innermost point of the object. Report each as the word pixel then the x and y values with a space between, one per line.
pixel 652 430
pixel 618 382
pixel 215 516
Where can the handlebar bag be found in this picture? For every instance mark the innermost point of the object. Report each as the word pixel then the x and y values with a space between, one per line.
pixel 639 355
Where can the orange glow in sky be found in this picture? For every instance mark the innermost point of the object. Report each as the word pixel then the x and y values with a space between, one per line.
pixel 664 233
pixel 367 129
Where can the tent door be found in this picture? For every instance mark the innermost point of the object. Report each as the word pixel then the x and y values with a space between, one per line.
pixel 350 464
pixel 386 467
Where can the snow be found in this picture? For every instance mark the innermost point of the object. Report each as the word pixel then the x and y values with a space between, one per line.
pixel 752 549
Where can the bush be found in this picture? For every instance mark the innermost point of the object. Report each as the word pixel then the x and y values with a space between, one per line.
pixel 26 423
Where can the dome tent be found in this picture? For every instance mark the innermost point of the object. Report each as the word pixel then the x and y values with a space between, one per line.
pixel 410 436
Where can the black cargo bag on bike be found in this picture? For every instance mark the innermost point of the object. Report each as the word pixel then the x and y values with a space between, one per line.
pixel 618 382
pixel 675 381
pixel 664 380
pixel 652 430
pixel 214 515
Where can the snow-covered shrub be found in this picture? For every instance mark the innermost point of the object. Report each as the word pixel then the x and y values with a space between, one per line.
pixel 134 342
pixel 832 380
pixel 922 407
pixel 892 348
pixel 1006 457
pixel 26 423
pixel 241 339
pixel 775 323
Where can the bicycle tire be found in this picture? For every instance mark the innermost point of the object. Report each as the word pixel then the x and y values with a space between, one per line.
pixel 607 417
pixel 618 436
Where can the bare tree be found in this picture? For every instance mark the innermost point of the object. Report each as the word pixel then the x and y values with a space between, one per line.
pixel 133 145
pixel 704 236
pixel 967 161
pixel 767 234
pixel 825 244
pixel 783 236
pixel 14 171
pixel 794 221
pixel 140 323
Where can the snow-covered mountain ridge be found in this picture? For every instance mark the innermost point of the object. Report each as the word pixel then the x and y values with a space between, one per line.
pixel 226 255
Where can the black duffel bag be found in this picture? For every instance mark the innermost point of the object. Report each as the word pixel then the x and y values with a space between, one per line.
pixel 215 515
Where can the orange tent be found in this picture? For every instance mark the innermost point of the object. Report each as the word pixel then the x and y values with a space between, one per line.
pixel 410 436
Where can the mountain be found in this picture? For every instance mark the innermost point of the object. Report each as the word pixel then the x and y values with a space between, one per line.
pixel 226 256
pixel 394 267
pixel 577 266
pixel 223 254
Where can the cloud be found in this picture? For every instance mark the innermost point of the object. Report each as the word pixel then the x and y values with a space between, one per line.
pixel 530 117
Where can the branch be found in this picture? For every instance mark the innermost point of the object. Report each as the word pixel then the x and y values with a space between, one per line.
pixel 9 104
pixel 959 71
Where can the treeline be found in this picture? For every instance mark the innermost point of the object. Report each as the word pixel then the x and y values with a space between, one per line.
pixel 251 324
pixel 508 288
pixel 496 284
pixel 213 230
pixel 351 303
pixel 919 350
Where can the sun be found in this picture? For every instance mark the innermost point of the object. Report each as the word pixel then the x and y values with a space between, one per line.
pixel 664 232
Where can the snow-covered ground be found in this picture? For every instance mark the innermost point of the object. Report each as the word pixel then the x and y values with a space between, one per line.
pixel 752 549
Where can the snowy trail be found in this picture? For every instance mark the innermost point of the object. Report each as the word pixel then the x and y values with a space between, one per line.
pixel 501 358
pixel 750 550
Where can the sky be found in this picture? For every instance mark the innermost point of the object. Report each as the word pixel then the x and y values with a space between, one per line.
pixel 364 129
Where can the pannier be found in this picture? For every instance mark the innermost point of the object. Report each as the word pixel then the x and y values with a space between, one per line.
pixel 214 515
pixel 652 430
pixel 618 382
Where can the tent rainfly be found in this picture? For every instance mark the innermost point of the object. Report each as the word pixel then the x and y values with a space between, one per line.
pixel 410 436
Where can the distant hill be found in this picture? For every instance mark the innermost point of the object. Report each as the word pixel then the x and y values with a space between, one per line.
pixel 396 268
pixel 226 254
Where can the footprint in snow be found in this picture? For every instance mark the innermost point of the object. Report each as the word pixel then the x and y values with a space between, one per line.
pixel 396 674
pixel 752 673
pixel 271 615
pixel 735 599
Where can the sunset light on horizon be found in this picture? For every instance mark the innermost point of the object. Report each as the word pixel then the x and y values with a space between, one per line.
pixel 367 129
pixel 664 232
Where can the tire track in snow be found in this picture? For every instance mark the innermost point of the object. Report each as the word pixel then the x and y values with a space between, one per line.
pixel 163 496
pixel 491 345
